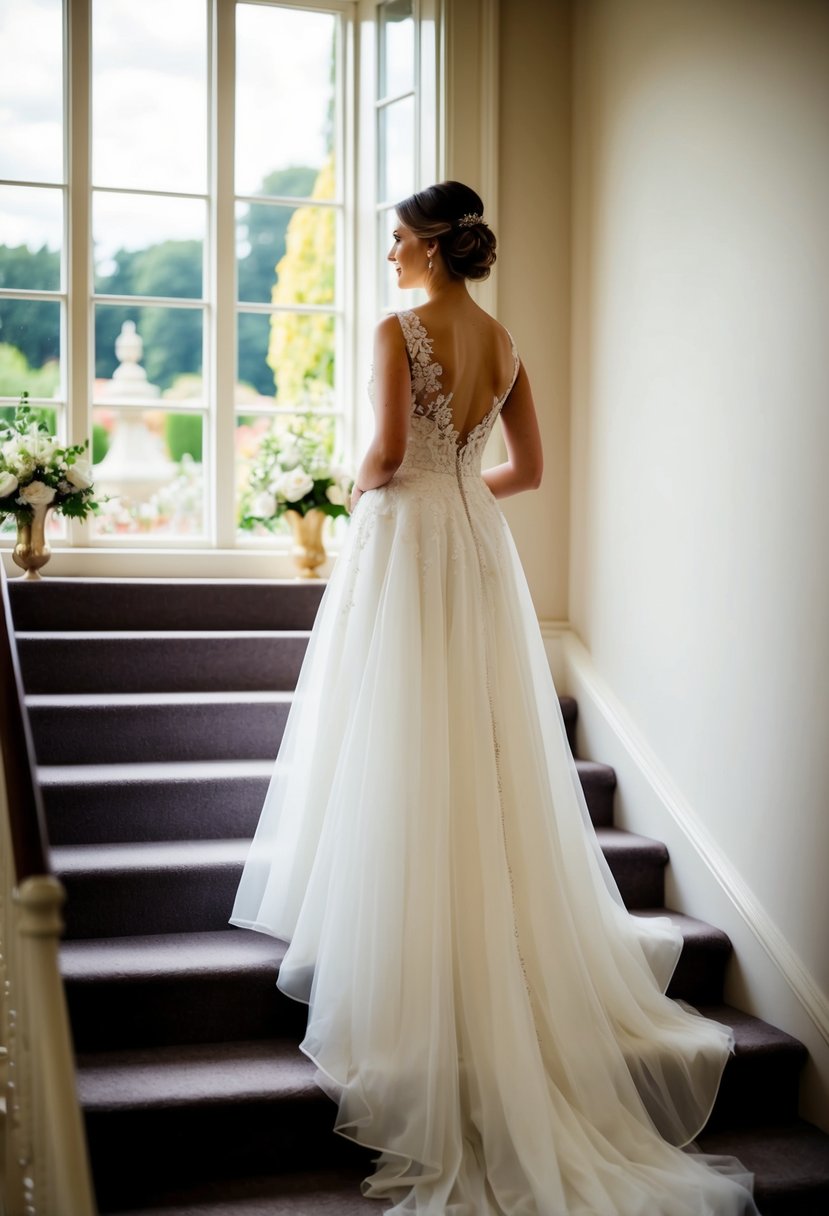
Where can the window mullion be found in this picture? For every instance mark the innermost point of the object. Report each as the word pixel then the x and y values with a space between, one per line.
pixel 221 326
pixel 77 228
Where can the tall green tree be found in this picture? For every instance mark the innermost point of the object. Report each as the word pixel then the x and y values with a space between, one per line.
pixel 31 326
pixel 301 349
pixel 263 229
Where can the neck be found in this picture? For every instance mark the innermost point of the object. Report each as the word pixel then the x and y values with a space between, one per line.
pixel 443 288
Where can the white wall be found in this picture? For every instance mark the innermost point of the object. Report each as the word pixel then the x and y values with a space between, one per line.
pixel 699 571
pixel 534 269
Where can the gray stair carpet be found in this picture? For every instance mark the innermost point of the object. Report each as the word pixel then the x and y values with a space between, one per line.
pixel 157 708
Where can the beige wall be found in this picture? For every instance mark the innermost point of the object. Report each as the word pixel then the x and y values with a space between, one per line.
pixel 699 572
pixel 534 268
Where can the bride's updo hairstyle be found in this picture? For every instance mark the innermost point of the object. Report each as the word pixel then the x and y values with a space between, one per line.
pixel 452 214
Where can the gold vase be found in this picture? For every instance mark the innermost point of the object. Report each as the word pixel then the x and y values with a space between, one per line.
pixel 309 551
pixel 31 550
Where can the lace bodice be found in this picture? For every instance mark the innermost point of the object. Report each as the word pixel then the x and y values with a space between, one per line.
pixel 434 443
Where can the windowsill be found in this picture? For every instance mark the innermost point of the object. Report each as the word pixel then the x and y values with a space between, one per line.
pixel 133 562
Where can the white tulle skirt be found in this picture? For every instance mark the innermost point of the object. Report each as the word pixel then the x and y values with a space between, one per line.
pixel 482 1008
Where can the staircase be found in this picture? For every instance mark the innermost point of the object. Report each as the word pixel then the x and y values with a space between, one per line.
pixel 155 742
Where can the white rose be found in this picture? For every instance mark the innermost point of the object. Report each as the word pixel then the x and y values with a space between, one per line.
pixel 335 495
pixel 295 484
pixel 263 505
pixel 80 474
pixel 43 449
pixel 8 484
pixel 37 493
pixel 18 460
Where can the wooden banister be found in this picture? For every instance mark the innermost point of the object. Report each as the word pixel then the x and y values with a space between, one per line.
pixel 26 819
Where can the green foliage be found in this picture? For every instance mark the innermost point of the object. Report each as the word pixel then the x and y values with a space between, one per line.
pixel 172 336
pixel 15 370
pixel 29 338
pixel 264 229
pixel 100 442
pixel 33 270
pixel 183 433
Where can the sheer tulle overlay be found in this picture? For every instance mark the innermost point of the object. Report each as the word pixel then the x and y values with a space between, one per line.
pixel 482 1008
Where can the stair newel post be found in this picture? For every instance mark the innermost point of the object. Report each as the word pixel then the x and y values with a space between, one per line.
pixel 68 1174
pixel 16 1181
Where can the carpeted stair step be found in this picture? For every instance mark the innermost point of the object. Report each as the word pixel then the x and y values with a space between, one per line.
pixel 146 603
pixel 790 1163
pixel 169 661
pixel 194 800
pixel 638 865
pixel 599 784
pixel 140 991
pixel 324 1193
pixel 190 1113
pixel 164 1114
pixel 761 1080
pixel 569 712
pixel 110 728
pixel 156 801
pixel 129 992
pixel 700 972
pixel 183 886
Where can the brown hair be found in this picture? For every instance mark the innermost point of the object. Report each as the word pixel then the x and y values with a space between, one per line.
pixel 468 250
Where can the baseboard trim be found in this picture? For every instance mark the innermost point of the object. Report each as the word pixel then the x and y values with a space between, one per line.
pixel 728 878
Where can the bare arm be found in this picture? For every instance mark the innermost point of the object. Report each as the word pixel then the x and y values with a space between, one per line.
pixel 393 403
pixel 525 463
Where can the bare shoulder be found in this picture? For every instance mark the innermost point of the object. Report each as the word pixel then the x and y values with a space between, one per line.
pixel 388 331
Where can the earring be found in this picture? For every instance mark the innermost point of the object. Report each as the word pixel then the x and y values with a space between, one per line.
pixel 430 263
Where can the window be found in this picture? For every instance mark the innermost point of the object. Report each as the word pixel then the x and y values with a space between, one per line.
pixel 33 215
pixel 221 230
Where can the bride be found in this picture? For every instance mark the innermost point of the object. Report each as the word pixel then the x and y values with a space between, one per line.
pixel 481 1007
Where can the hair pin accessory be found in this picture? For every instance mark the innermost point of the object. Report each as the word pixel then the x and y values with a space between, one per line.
pixel 470 219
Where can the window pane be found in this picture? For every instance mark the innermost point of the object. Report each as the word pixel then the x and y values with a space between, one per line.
pixel 293 351
pixel 397 150
pixel 31 90
pixel 286 255
pixel 254 377
pixel 31 222
pixel 55 526
pixel 301 352
pixel 159 352
pixel 149 246
pixel 149 94
pixel 30 348
pixel 285 101
pixel 43 413
pixel 397 48
pixel 149 464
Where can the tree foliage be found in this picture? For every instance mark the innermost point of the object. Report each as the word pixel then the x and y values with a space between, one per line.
pixel 301 348
pixel 172 337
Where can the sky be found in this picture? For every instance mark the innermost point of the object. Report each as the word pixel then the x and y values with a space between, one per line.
pixel 149 111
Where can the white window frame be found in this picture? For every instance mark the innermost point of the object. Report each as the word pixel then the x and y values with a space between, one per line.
pixel 444 71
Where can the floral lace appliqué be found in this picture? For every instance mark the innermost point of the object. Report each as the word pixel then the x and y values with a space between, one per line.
pixel 433 439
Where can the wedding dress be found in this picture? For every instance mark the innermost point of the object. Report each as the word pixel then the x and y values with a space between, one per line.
pixel 482 1008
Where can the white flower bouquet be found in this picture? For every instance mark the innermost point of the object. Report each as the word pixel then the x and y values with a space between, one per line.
pixel 293 471
pixel 36 471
